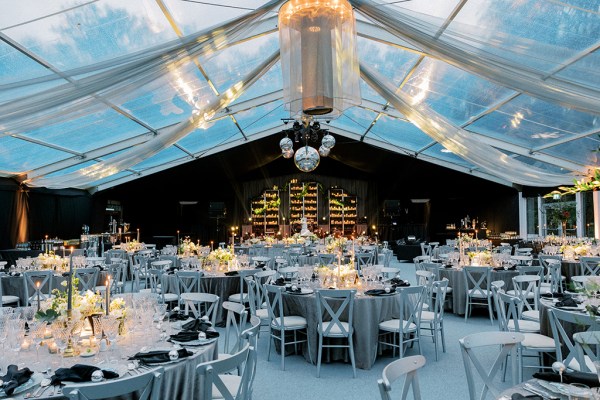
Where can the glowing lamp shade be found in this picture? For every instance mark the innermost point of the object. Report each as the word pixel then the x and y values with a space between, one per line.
pixel 319 60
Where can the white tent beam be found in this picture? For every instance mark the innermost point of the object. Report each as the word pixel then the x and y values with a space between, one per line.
pixel 565 139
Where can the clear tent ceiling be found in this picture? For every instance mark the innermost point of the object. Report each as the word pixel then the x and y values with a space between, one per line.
pixel 41 39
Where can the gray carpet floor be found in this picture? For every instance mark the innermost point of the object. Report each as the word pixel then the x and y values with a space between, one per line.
pixel 443 379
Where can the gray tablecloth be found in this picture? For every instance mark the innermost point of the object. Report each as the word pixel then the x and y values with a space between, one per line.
pixel 222 286
pixel 570 268
pixel 456 281
pixel 369 311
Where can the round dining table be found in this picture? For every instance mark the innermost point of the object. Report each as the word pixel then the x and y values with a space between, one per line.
pixel 369 311
pixel 457 282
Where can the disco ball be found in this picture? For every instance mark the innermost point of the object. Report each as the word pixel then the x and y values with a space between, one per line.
pixel 288 153
pixel 328 141
pixel 307 159
pixel 324 151
pixel 286 144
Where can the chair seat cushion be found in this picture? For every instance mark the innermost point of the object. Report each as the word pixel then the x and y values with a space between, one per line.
pixel 480 294
pixel 393 325
pixel 10 299
pixel 236 298
pixel 335 329
pixel 232 383
pixel 262 314
pixel 291 322
pixel 537 341
pixel 170 297
pixel 574 364
pixel 513 293
pixel 191 296
pixel 525 326
pixel 531 315
pixel 427 316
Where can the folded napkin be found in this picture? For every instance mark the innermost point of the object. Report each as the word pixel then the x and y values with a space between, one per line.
pixel 279 282
pixel 568 302
pixel 231 273
pixel 397 282
pixel 292 290
pixel 79 373
pixel 15 377
pixel 260 265
pixel 587 378
pixel 447 266
pixel 177 316
pixel 502 268
pixel 519 396
pixel 555 295
pixel 376 292
pixel 160 356
pixel 15 274
pixel 198 325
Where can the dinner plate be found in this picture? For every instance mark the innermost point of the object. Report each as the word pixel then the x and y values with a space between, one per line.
pixel 34 380
pixel 303 291
pixel 554 387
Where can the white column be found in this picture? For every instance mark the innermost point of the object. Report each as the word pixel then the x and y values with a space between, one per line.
pixel 596 196
pixel 541 220
pixel 579 217
pixel 522 216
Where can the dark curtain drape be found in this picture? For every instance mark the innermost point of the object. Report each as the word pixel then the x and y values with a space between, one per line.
pixel 7 204
pixel 20 220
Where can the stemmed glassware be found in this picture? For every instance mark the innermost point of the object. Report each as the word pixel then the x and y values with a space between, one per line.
pixel 111 330
pixel 60 333
pixel 37 331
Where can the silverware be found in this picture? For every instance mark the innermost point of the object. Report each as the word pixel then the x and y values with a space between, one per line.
pixel 539 392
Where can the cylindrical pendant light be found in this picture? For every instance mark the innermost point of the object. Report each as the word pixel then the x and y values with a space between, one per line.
pixel 319 60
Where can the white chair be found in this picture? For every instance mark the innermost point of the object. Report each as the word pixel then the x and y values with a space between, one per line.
pixel 235 322
pixel 7 300
pixel 88 278
pixel 218 383
pixel 433 320
pixel 147 386
pixel 554 279
pixel 330 323
pixel 558 319
pixel 468 345
pixel 426 279
pixel 590 266
pixel 282 324
pixel 587 349
pixel 38 285
pixel 156 282
pixel 207 306
pixel 477 284
pixel 363 260
pixel 188 289
pixel 406 328
pixel 242 296
pixel 509 318
pixel 426 250
pixel 115 272
pixel 326 258
pixel 288 273
pixel 405 367
pixel 526 288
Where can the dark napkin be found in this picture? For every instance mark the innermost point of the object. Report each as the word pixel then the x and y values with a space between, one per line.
pixel 291 290
pixel 502 268
pixel 555 295
pixel 448 266
pixel 568 302
pixel 191 329
pixel 177 316
pixel 279 282
pixel 377 292
pixel 231 273
pixel 260 265
pixel 519 396
pixel 587 378
pixel 160 356
pixel 397 282
pixel 15 377
pixel 79 373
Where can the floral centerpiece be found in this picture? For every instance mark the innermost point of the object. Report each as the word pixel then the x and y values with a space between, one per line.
pixel 220 259
pixel 344 275
pixel 50 261
pixel 132 246
pixel 480 257
pixel 83 305
pixel 333 244
pixel 187 247
pixel 270 239
pixel 571 252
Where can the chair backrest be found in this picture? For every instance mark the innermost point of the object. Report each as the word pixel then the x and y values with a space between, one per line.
pixel 116 273
pixel 163 264
pixel 38 282
pixel 406 367
pixel 250 335
pixel 507 308
pixel 386 272
pixel 326 258
pixel 275 305
pixel 587 344
pixel 411 304
pixel 213 372
pixel 235 323
pixel 425 249
pixel 531 270
pixel 439 291
pixel 363 260
pixel 88 278
pixel 243 273
pixel 527 288
pixel 561 336
pixel 426 279
pixel 155 278
pixel 147 385
pixel 288 273
pixel 479 279
pixel 543 258
pixel 590 265
pixel 508 342
pixel 188 281
pixel 432 267
pixel 207 305
pixel 121 254
pixel 333 313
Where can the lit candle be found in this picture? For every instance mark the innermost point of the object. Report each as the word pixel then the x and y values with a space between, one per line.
pixel 138 235
pixel 70 284
pixel 178 238
pixel 211 245
pixel 37 289
pixel 107 295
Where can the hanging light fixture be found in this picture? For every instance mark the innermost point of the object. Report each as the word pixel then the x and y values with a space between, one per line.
pixel 319 60
pixel 306 158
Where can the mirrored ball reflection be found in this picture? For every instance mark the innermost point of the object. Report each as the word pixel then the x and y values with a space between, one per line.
pixel 288 154
pixel 328 141
pixel 307 159
pixel 286 144
pixel 324 151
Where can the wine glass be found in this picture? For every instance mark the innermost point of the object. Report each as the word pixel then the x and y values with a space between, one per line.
pixel 37 331
pixel 60 332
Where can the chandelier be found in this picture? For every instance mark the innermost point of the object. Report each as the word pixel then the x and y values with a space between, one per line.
pixel 306 158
